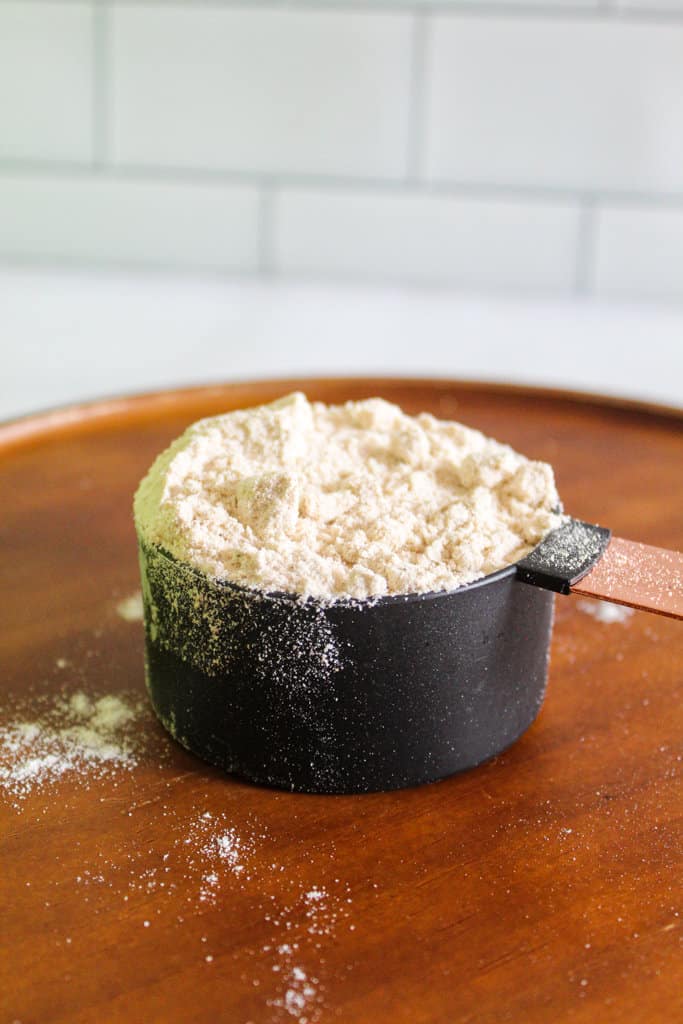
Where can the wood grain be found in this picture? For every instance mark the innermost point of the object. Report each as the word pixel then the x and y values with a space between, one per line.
pixel 542 887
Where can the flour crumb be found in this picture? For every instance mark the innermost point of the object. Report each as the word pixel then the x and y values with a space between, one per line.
pixel 605 611
pixel 130 608
pixel 350 501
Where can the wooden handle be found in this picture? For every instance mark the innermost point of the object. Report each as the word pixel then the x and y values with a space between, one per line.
pixel 637 575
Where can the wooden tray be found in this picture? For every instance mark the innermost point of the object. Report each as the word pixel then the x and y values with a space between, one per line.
pixel 544 886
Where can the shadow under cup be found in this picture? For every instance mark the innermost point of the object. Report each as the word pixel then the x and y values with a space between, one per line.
pixel 348 697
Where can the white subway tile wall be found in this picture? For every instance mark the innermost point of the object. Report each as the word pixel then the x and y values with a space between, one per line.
pixel 264 91
pixel 46 80
pixel 534 146
pixel 573 105
pixel 627 238
pixel 471 242
pixel 80 219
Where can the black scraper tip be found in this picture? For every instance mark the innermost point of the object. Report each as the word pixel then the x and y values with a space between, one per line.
pixel 564 556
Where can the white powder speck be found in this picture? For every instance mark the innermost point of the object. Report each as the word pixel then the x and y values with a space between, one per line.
pixel 228 846
pixel 80 705
pixel 605 611
pixel 208 958
pixel 130 608
pixel 301 997
pixel 317 912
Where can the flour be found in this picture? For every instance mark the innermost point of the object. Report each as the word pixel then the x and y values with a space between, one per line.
pixel 130 608
pixel 314 918
pixel 605 611
pixel 205 858
pixel 298 996
pixel 76 734
pixel 350 501
pixel 214 848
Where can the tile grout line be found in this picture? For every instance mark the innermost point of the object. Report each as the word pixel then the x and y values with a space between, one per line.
pixel 101 70
pixel 600 10
pixel 417 96
pixel 435 188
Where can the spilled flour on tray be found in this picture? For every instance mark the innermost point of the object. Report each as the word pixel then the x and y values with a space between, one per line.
pixel 309 923
pixel 207 859
pixel 300 997
pixel 218 849
pixel 605 611
pixel 58 734
pixel 130 608
pixel 205 855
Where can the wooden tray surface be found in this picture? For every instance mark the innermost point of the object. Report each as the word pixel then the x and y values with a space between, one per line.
pixel 544 886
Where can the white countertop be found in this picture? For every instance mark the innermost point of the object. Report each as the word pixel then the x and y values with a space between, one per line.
pixel 70 336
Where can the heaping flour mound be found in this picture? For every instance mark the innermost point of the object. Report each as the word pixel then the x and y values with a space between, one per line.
pixel 353 500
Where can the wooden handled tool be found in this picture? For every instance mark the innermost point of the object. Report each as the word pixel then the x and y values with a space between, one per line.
pixel 580 558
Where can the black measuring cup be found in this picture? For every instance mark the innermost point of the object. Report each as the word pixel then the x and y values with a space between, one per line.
pixel 355 696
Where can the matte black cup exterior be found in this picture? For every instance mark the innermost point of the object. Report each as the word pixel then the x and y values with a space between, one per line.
pixel 348 697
